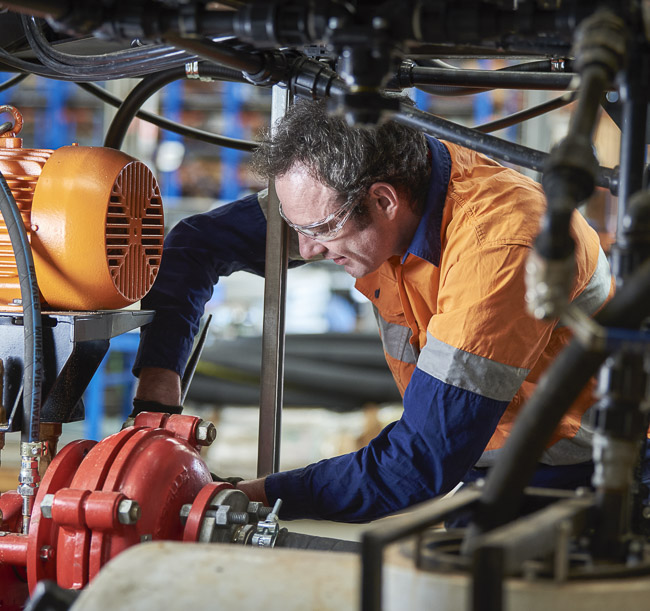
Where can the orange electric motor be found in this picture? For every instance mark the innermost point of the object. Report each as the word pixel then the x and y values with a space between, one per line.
pixel 94 219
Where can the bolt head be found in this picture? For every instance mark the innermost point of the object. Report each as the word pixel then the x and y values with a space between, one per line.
pixel 46 553
pixel 185 511
pixel 128 512
pixel 46 506
pixel 206 433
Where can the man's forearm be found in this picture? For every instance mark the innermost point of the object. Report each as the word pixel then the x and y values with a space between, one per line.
pixel 161 385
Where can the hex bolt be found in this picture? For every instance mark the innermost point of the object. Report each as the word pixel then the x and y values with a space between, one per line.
pixel 264 512
pixel 46 506
pixel 238 517
pixel 128 512
pixel 46 553
pixel 206 433
pixel 185 512
pixel 253 509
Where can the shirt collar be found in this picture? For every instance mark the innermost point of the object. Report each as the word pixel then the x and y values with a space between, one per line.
pixel 426 242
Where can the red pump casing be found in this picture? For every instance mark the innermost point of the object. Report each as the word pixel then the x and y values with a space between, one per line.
pixel 155 463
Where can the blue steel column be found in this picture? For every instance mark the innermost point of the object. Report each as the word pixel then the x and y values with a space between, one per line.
pixel 231 158
pixel 172 106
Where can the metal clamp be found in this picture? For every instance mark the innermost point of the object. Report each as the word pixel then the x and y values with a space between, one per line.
pixel 268 530
pixel 192 72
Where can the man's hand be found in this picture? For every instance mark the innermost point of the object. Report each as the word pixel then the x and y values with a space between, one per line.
pixel 160 385
pixel 254 489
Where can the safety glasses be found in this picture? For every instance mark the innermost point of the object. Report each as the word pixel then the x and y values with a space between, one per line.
pixel 327 228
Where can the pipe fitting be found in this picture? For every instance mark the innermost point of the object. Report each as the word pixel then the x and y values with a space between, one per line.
pixel 601 39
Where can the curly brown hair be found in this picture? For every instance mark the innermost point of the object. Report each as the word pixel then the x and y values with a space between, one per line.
pixel 348 159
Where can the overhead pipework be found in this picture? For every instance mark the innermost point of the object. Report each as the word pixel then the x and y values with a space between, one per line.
pixel 148 482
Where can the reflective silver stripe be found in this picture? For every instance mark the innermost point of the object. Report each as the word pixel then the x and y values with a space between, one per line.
pixel 565 452
pixel 469 371
pixel 396 340
pixel 597 288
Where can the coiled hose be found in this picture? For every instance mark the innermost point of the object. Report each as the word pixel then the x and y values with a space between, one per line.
pixel 33 359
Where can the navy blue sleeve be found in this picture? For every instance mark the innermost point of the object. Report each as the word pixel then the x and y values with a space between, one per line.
pixel 197 252
pixel 440 436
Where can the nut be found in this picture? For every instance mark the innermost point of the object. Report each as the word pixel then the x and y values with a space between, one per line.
pixel 128 512
pixel 46 553
pixel 206 433
pixel 185 512
pixel 46 506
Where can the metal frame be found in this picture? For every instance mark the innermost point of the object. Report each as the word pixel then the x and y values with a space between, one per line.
pixel 275 295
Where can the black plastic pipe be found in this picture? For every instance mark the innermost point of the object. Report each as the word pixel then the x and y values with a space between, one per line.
pixel 545 65
pixel 634 93
pixel 593 84
pixel 144 90
pixel 489 145
pixel 556 391
pixel 491 79
pixel 32 324
pixel 526 114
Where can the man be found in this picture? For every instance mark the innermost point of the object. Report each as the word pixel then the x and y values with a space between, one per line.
pixel 437 237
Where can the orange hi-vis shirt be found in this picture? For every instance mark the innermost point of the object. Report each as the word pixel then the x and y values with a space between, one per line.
pixel 452 309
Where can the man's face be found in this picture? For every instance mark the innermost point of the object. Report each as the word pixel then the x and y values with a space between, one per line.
pixel 305 201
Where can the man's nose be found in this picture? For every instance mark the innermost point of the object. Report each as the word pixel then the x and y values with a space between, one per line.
pixel 310 248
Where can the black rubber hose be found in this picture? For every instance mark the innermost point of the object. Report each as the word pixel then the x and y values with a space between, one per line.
pixel 526 114
pixel 143 91
pixel 561 384
pixel 30 67
pixel 486 144
pixel 246 61
pixel 112 59
pixel 32 324
pixel 543 65
pixel 9 61
pixel 172 126
pixel 14 80
pixel 321 544
pixel 124 67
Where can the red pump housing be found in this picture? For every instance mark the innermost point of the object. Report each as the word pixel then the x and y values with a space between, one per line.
pixel 102 498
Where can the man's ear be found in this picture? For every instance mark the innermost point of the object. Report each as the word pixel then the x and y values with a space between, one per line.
pixel 386 198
